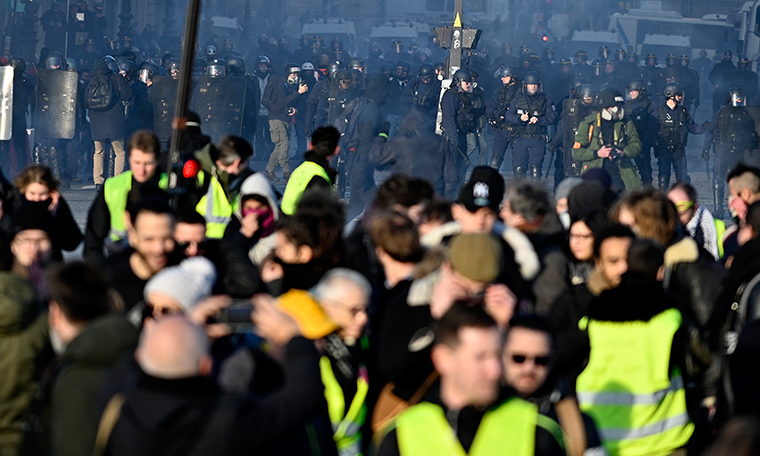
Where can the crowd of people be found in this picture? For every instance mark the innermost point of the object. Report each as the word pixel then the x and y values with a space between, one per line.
pixel 442 311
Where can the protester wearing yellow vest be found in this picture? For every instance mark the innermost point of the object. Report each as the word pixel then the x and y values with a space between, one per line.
pixel 633 385
pixel 344 295
pixel 315 171
pixel 462 413
pixel 106 217
pixel 224 167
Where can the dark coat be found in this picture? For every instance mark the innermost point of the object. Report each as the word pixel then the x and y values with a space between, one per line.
pixel 192 416
pixel 110 124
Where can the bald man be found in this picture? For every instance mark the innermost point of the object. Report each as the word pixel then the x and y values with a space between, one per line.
pixel 174 407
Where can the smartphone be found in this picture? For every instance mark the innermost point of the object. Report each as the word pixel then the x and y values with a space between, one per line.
pixel 80 17
pixel 237 316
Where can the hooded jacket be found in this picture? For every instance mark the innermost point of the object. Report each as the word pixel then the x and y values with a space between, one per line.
pixel 23 339
pixel 80 374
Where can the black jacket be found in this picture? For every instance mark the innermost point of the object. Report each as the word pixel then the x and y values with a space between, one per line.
pixel 110 124
pixel 192 416
pixel 553 251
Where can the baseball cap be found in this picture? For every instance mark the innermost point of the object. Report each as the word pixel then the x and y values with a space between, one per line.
pixel 484 189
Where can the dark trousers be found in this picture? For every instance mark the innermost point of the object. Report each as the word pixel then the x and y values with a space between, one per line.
pixel 675 157
pixel 529 152
pixel 20 145
pixel 501 141
pixel 361 178
pixel 644 163
pixel 262 140
pixel 455 167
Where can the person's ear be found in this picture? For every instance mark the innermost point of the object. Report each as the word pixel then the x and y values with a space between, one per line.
pixel 441 356
pixel 661 273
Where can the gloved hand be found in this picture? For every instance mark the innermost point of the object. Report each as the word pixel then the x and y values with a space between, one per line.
pixel 706 154
pixel 385 128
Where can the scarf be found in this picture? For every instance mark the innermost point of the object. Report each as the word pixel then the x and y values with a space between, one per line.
pixel 703 220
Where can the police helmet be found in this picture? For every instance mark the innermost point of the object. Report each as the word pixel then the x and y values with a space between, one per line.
pixel 200 65
pixel 54 61
pixel 127 67
pixel 318 40
pixel 461 76
pixel 440 66
pixel 531 77
pixel 236 65
pixel 334 68
pixel 262 39
pixel 671 59
pixel 356 63
pixel 621 54
pixel 404 65
pixel 565 61
pixel 426 71
pixel 307 66
pixel 173 64
pixel 743 62
pixel 336 43
pixel 89 42
pixel 685 58
pixel 581 53
pixel 228 45
pixel 524 49
pixel 106 58
pixel 651 56
pixel 217 68
pixel 637 85
pixel 113 66
pixel 736 97
pixel 284 43
pixel 671 90
pixel 604 51
pixel 304 41
pixel 549 52
pixel 343 76
pixel 146 71
pixel 210 51
pixel 506 71
pixel 586 91
pixel 506 46
pixel 575 84
pixel 71 64
pixel 263 59
pixel 18 64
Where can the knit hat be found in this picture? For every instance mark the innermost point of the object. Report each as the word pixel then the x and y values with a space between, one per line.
pixel 188 283
pixel 476 256
pixel 484 189
pixel 589 196
pixel 33 215
pixel 564 187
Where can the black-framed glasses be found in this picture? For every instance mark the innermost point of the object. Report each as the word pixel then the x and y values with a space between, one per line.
pixel 183 246
pixel 538 360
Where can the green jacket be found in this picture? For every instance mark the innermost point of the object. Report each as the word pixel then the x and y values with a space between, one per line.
pixel 23 338
pixel 80 374
pixel 588 141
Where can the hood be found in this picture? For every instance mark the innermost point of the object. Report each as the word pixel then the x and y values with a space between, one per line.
pixel 257 184
pixel 100 68
pixel 18 304
pixel 103 341
pixel 416 123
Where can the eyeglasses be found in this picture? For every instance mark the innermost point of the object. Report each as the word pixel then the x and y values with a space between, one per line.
pixel 149 311
pixel 538 360
pixel 353 310
pixel 183 246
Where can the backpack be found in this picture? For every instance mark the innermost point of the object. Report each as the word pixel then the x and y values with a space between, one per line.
pixel 100 94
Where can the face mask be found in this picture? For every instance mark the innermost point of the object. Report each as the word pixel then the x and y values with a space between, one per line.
pixel 294 81
pixel 564 218
pixel 266 220
pixel 59 346
pixel 737 207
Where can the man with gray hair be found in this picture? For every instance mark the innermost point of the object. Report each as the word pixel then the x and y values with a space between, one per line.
pixel 344 296
pixel 174 407
pixel 527 207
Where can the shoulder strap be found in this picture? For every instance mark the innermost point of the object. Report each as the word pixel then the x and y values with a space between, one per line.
pixel 107 423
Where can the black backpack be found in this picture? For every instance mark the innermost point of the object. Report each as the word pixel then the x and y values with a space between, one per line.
pixel 100 94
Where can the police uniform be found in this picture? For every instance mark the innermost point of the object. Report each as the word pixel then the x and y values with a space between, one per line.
pixel 644 113
pixel 530 146
pixel 670 146
pixel 504 132
pixel 457 119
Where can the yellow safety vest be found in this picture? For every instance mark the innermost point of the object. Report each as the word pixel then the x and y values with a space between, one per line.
pixel 346 425
pixel 297 185
pixel 214 207
pixel 509 429
pixel 637 404
pixel 720 230
pixel 115 191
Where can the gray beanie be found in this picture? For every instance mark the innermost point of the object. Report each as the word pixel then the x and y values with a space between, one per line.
pixel 188 283
pixel 563 188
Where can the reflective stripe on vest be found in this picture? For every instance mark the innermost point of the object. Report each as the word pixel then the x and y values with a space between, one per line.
pixel 215 208
pixel 346 425
pixel 637 404
pixel 297 185
pixel 508 429
pixel 115 191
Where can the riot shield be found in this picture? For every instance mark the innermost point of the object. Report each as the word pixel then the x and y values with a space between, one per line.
pixel 6 103
pixel 571 111
pixel 163 93
pixel 56 104
pixel 752 158
pixel 219 102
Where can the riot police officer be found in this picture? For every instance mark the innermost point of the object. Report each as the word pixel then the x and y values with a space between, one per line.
pixel 146 72
pixel 675 124
pixel 477 139
pixel 746 79
pixel 457 120
pixel 334 101
pixel 610 77
pixel 581 68
pixel 506 58
pixel 531 112
pixel 425 91
pixel 496 110
pixel 236 68
pixel 643 112
pixel 315 94
pixel 580 104
pixel 652 74
pixel 690 81
pixel 734 135
pixel 720 77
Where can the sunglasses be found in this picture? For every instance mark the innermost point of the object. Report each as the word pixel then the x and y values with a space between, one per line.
pixel 186 245
pixel 683 206
pixel 538 360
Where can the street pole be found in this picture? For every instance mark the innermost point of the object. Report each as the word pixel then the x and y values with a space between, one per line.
pixel 183 87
